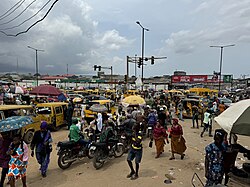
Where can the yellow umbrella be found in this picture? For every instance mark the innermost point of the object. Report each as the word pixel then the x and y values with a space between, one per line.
pixel 77 100
pixel 133 100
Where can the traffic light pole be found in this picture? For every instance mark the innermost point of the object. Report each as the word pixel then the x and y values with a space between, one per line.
pixel 111 69
pixel 221 52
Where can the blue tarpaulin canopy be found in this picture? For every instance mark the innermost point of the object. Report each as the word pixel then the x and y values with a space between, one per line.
pixel 14 122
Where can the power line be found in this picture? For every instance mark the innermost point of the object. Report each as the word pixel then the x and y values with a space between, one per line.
pixel 12 10
pixel 28 18
pixel 22 32
pixel 18 14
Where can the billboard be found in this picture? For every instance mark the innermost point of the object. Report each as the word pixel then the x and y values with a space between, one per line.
pixel 189 78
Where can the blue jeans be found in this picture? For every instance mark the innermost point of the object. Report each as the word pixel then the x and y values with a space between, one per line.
pixel 180 115
pixel 83 142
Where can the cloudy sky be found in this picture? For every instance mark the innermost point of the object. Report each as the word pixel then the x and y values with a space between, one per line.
pixel 82 33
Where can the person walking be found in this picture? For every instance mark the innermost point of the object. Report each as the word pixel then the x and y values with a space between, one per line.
pixel 214 159
pixel 135 152
pixel 195 111
pixel 5 141
pixel 178 143
pixel 42 143
pixel 18 151
pixel 160 135
pixel 162 117
pixel 180 109
pixel 70 112
pixel 207 123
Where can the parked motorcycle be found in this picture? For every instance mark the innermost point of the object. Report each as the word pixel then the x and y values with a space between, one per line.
pixel 104 151
pixel 69 152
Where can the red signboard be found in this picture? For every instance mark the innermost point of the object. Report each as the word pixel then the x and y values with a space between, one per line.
pixel 189 78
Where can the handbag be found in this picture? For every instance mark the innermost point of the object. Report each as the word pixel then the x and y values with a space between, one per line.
pixel 150 144
pixel 49 148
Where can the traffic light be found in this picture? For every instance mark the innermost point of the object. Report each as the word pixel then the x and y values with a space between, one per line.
pixel 140 62
pixel 152 60
pixel 95 67
pixel 99 67
pixel 125 78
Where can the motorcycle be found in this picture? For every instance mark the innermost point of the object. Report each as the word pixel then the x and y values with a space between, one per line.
pixel 69 152
pixel 104 151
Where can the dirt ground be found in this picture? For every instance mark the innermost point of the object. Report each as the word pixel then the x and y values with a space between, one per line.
pixel 113 174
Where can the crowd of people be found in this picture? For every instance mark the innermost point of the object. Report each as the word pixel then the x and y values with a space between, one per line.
pixel 160 116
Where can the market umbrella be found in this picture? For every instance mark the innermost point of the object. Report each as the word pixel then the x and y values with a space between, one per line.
pixel 98 108
pixel 236 118
pixel 80 88
pixel 77 100
pixel 45 90
pixel 14 122
pixel 133 100
pixel 20 90
pixel 62 97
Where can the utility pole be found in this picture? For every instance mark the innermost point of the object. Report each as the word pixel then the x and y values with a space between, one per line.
pixel 36 50
pixel 142 48
pixel 221 55
pixel 17 65
pixel 135 64
pixel 67 70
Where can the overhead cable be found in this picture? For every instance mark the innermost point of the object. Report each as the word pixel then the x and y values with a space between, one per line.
pixel 22 32
pixel 28 18
pixel 18 14
pixel 12 10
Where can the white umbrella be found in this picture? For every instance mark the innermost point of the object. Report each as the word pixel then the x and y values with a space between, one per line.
pixel 236 118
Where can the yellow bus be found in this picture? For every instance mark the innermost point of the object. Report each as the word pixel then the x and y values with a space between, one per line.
pixel 53 113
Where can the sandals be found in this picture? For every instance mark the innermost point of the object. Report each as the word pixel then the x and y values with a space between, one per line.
pixel 182 156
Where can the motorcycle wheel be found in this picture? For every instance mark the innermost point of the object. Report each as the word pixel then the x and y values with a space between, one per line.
pixel 126 145
pixel 90 153
pixel 97 162
pixel 63 156
pixel 119 150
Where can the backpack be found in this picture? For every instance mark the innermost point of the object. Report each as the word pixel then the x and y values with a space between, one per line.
pixel 152 118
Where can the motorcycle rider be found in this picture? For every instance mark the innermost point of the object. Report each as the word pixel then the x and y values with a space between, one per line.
pixel 107 135
pixel 128 125
pixel 76 135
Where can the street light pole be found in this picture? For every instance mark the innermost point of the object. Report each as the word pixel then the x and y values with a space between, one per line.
pixel 142 49
pixel 135 64
pixel 36 62
pixel 221 56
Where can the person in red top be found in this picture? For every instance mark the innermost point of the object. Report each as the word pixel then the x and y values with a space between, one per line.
pixel 178 143
pixel 159 136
